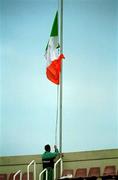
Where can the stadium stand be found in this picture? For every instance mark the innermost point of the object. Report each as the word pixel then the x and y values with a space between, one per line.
pixel 93 173
pixel 109 173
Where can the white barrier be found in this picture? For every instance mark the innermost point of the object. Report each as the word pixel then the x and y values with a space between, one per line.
pixel 61 168
pixel 18 172
pixel 28 167
pixel 40 175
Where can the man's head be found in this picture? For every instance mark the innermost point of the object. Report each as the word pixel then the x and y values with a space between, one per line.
pixel 47 148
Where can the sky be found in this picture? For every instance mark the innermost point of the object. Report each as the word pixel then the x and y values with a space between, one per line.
pixel 90 85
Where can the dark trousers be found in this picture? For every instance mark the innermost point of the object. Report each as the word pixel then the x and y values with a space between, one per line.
pixel 50 174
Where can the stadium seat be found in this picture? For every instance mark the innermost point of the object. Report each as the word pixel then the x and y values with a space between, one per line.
pixel 109 171
pixel 3 176
pixel 24 177
pixel 12 175
pixel 94 172
pixel 81 172
pixel 68 172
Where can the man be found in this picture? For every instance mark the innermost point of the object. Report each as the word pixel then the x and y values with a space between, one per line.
pixel 48 160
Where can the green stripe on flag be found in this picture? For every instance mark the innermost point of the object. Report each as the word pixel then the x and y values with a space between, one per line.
pixel 54 31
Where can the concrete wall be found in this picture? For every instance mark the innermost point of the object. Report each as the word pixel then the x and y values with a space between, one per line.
pixel 72 160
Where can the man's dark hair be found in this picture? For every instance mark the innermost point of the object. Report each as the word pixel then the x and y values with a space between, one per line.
pixel 47 147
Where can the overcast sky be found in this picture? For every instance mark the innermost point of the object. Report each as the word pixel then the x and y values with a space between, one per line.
pixel 90 71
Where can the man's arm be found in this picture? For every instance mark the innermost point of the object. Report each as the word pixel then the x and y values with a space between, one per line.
pixel 56 149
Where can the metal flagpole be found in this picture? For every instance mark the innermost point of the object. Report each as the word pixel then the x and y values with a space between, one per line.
pixel 61 80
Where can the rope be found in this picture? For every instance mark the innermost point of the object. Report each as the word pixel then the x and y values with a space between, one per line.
pixel 57 114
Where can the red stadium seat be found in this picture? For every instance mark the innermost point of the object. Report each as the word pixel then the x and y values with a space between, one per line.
pixel 67 172
pixel 109 171
pixel 81 172
pixel 3 176
pixel 94 172
pixel 24 177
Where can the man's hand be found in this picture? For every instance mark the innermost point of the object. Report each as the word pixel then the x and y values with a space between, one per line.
pixel 62 155
pixel 55 146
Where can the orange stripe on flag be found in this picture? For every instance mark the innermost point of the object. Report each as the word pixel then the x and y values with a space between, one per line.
pixel 54 69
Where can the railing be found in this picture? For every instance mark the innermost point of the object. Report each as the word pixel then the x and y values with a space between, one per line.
pixel 28 167
pixel 18 172
pixel 42 172
pixel 61 168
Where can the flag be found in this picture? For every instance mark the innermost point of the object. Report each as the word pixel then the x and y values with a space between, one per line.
pixel 54 59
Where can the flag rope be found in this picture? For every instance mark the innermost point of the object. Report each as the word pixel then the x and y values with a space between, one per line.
pixel 57 115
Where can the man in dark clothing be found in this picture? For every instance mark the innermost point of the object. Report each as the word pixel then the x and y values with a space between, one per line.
pixel 48 160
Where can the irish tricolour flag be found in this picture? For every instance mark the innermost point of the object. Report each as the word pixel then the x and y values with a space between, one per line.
pixel 52 55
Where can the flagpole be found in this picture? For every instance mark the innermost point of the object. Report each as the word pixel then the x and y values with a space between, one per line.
pixel 61 77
